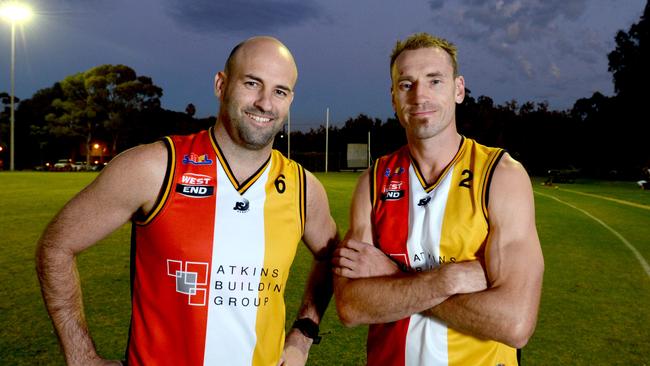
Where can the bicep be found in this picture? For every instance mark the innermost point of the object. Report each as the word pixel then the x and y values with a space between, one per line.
pixel 320 229
pixel 513 257
pixel 361 210
pixel 128 183
pixel 360 224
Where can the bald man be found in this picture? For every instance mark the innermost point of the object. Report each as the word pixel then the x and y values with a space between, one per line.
pixel 217 217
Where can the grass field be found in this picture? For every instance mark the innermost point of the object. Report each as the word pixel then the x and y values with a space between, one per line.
pixel 595 305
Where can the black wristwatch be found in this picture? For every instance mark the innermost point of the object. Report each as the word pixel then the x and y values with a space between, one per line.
pixel 307 327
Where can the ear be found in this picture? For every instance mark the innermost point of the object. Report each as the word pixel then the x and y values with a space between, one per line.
pixel 460 89
pixel 392 98
pixel 220 81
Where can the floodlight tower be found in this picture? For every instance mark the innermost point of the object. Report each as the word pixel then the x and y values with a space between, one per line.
pixel 14 13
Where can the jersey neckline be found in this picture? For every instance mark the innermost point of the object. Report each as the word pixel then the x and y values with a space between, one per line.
pixel 239 187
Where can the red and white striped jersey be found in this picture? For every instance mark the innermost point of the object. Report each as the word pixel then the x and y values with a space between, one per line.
pixel 211 260
pixel 422 226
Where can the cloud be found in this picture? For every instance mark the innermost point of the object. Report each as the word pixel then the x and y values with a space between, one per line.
pixel 518 20
pixel 526 66
pixel 555 71
pixel 436 4
pixel 535 37
pixel 242 16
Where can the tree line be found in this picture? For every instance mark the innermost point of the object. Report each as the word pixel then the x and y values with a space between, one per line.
pixel 600 136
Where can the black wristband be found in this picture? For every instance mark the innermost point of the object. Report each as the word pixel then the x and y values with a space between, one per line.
pixel 308 328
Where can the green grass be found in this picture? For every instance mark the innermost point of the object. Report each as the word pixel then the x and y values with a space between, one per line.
pixel 596 295
pixel 595 301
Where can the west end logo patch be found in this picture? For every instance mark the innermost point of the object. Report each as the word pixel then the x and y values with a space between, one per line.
pixel 197 159
pixel 195 185
pixel 393 191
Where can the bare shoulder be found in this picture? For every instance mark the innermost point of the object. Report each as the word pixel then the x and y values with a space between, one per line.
pixel 509 174
pixel 511 202
pixel 317 204
pixel 315 189
pixel 510 168
pixel 364 180
pixel 135 175
pixel 129 183
pixel 361 201
pixel 361 210
pixel 142 159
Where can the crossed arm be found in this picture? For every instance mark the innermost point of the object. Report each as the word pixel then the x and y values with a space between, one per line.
pixel 505 309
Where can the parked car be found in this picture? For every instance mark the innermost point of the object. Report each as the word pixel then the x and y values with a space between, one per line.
pixel 97 167
pixel 62 165
pixel 79 166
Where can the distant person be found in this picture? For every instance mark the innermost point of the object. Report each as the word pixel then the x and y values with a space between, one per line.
pixel 442 258
pixel 217 217
pixel 644 183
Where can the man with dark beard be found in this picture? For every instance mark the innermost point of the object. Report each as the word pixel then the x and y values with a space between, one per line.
pixel 217 217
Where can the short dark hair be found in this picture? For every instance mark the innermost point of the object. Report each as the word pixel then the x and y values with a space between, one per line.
pixel 424 40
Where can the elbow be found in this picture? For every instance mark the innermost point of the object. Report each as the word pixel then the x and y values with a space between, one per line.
pixel 347 315
pixel 50 258
pixel 346 310
pixel 41 257
pixel 520 333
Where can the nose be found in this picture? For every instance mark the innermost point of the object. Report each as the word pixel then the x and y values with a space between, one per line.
pixel 418 93
pixel 264 101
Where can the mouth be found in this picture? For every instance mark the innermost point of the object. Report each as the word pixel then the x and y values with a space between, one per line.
pixel 421 110
pixel 257 118
pixel 421 113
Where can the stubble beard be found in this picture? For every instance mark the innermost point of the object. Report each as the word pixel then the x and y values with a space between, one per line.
pixel 251 137
pixel 429 127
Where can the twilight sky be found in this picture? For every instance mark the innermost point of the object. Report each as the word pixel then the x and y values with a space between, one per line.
pixel 528 50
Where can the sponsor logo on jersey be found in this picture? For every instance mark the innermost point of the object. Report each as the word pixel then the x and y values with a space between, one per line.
pixel 393 191
pixel 197 159
pixel 195 191
pixel 388 173
pixel 247 286
pixel 242 206
pixel 196 179
pixel 195 185
pixel 191 280
pixel 424 201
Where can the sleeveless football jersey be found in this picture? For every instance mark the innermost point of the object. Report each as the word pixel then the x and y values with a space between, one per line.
pixel 422 226
pixel 211 260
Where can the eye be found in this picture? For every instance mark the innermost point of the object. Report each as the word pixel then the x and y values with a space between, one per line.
pixel 280 93
pixel 436 81
pixel 405 85
pixel 251 84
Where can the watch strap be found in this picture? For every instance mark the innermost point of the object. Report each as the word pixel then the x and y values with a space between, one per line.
pixel 308 328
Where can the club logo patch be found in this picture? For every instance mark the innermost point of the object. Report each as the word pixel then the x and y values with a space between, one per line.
pixel 424 201
pixel 197 159
pixel 242 206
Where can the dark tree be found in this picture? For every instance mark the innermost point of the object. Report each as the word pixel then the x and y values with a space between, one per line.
pixel 101 101
pixel 628 63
